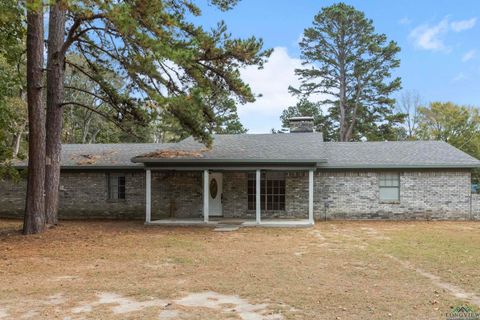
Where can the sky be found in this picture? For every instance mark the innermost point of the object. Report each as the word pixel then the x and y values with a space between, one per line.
pixel 439 40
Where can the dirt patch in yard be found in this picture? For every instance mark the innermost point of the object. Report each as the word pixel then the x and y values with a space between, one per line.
pixel 454 290
pixel 125 270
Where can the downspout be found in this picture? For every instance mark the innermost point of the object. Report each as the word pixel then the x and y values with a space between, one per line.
pixel 471 196
pixel 471 209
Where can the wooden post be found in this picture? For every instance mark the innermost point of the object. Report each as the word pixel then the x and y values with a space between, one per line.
pixel 206 192
pixel 310 196
pixel 148 198
pixel 257 195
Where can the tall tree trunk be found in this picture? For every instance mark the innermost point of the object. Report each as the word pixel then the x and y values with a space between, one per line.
pixel 16 140
pixel 93 138
pixel 20 129
pixel 342 103
pixel 86 126
pixel 34 221
pixel 55 93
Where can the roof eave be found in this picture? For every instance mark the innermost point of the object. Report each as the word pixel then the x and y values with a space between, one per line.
pixel 400 166
pixel 93 167
pixel 146 160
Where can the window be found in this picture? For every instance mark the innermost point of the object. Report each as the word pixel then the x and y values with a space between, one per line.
pixel 272 191
pixel 390 187
pixel 116 186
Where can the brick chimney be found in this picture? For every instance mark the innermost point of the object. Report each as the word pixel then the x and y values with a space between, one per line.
pixel 301 124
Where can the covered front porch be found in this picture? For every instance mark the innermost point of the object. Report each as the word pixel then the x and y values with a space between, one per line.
pixel 267 196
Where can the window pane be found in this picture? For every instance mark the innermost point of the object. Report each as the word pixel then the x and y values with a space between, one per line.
pixel 252 186
pixel 251 202
pixel 112 187
pixel 270 203
pixel 389 194
pixel 269 185
pixel 272 191
pixel 121 187
pixel 383 181
pixel 389 180
pixel 116 186
pixel 396 181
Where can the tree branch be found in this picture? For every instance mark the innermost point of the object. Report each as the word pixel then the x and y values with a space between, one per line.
pixel 106 117
pixel 72 35
pixel 87 92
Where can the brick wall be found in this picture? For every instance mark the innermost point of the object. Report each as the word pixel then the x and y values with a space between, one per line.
pixel 428 194
pixel 12 198
pixel 235 195
pixel 83 195
pixel 177 194
pixel 296 197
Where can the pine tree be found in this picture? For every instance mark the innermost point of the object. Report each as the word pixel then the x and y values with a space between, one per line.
pixel 349 66
pixel 164 61
pixel 34 221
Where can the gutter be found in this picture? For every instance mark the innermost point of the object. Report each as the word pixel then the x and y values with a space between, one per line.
pixel 319 164
pixel 398 166
pixel 224 161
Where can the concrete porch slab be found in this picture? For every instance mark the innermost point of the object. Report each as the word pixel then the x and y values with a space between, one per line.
pixel 267 223
pixel 280 223
pixel 226 228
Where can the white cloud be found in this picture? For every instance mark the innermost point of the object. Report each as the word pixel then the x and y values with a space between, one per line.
pixel 405 21
pixel 459 77
pixel 272 83
pixel 429 37
pixel 463 25
pixel 469 55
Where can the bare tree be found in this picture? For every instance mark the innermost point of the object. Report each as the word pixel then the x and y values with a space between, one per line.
pixel 34 221
pixel 408 104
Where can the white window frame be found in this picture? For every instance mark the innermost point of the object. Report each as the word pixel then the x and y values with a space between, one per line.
pixel 273 192
pixel 114 192
pixel 389 181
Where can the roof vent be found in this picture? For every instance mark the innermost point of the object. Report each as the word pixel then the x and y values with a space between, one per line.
pixel 301 124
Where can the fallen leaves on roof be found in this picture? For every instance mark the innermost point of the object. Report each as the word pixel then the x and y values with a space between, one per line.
pixel 170 154
pixel 87 159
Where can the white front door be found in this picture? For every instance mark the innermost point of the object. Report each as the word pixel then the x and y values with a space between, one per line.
pixel 215 196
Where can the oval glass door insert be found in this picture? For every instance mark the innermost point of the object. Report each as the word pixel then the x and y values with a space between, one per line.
pixel 213 188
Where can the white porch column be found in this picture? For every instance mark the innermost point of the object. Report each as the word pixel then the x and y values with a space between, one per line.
pixel 310 196
pixel 257 197
pixel 206 192
pixel 148 198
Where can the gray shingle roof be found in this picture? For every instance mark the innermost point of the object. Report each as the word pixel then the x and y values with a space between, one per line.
pixel 396 154
pixel 278 148
pixel 306 147
pixel 115 155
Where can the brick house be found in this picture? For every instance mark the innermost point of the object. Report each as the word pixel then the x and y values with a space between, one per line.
pixel 261 179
